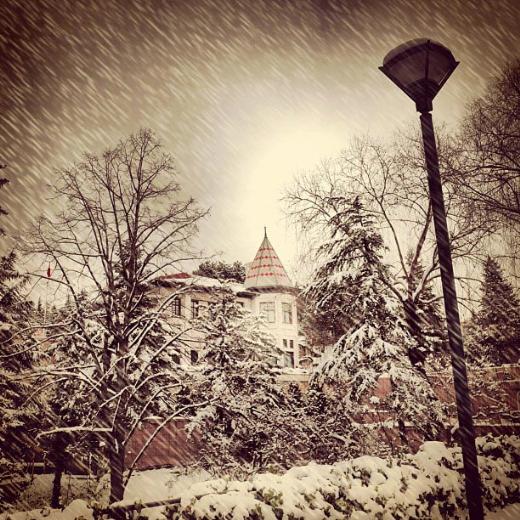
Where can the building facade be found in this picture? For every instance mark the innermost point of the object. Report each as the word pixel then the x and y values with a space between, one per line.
pixel 267 292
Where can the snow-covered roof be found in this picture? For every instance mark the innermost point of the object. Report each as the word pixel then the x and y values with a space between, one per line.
pixel 266 270
pixel 200 282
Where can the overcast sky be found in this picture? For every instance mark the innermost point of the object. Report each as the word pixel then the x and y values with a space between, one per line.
pixel 243 93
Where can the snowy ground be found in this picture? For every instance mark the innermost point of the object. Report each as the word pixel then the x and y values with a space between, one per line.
pixel 511 512
pixel 145 486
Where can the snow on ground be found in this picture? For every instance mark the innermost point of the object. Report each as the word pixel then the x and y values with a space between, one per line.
pixel 161 483
pixel 38 494
pixel 145 486
pixel 511 512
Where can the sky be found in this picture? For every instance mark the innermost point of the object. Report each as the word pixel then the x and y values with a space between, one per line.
pixel 244 94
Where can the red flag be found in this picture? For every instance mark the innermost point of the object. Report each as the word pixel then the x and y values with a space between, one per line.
pixel 49 272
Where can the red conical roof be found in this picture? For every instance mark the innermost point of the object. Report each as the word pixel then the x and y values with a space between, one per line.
pixel 266 270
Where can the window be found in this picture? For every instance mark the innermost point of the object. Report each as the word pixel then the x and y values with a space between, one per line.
pixel 267 311
pixel 288 354
pixel 194 356
pixel 176 306
pixel 287 312
pixel 288 359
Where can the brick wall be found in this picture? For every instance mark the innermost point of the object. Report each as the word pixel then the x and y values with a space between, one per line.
pixel 172 446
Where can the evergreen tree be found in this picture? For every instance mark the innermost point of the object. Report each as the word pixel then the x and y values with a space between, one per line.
pixel 497 322
pixel 332 291
pixel 245 422
pixel 235 272
pixel 39 308
pixel 69 401
pixel 331 433
pixel 379 341
pixel 18 421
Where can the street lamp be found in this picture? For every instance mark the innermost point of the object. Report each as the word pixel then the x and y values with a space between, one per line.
pixel 420 68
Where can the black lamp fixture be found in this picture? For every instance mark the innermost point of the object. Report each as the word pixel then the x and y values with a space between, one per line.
pixel 419 68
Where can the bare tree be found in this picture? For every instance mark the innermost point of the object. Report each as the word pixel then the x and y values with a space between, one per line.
pixel 489 177
pixel 121 223
pixel 392 181
pixel 488 173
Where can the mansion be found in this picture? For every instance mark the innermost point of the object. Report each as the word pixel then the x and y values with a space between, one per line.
pixel 267 292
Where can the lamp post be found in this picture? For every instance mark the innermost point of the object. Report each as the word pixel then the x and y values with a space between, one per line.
pixel 420 68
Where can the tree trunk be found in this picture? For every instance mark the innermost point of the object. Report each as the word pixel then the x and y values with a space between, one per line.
pixel 402 433
pixel 117 466
pixel 58 448
pixel 417 355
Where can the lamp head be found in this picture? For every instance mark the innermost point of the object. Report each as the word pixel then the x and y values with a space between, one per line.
pixel 419 68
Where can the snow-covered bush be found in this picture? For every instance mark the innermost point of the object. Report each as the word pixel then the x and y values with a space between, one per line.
pixel 428 484
pixel 499 465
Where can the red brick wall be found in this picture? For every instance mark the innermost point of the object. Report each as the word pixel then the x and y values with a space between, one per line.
pixel 170 447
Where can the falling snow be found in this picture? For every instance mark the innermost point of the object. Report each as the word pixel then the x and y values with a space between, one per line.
pixel 259 107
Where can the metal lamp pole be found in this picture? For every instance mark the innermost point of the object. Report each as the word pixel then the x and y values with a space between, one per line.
pixel 420 68
pixel 460 377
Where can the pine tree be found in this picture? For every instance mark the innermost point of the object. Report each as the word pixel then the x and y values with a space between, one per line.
pixel 331 434
pixel 497 321
pixel 331 292
pixel 39 308
pixel 69 401
pixel 18 421
pixel 379 341
pixel 245 422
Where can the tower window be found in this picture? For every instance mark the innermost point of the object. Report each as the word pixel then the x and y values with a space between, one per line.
pixel 267 310
pixel 287 313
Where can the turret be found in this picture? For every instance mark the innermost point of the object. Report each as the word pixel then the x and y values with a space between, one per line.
pixel 266 270
pixel 276 300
